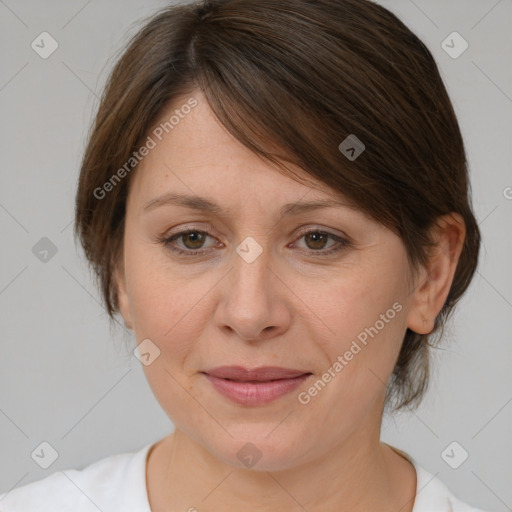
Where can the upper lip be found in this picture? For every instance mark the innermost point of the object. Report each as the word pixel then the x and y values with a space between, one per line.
pixel 262 373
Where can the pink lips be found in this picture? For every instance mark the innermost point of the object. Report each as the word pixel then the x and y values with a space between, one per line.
pixel 257 386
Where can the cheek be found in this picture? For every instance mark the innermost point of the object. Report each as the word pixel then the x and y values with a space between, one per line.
pixel 165 304
pixel 363 314
pixel 167 309
pixel 359 353
pixel 363 301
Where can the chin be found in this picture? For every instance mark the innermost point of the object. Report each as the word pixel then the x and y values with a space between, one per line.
pixel 256 450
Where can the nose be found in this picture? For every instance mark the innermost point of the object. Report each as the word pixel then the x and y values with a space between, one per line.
pixel 253 303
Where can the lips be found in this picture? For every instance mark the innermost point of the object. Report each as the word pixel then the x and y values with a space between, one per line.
pixel 262 374
pixel 256 386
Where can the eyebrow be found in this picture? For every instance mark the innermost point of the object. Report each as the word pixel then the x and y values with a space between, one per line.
pixel 204 204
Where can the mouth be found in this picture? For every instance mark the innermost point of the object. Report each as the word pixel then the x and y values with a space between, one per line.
pixel 258 386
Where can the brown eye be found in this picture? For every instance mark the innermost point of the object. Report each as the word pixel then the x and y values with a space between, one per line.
pixel 193 239
pixel 192 242
pixel 316 240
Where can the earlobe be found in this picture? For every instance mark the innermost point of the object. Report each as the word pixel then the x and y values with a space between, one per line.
pixel 122 295
pixel 435 280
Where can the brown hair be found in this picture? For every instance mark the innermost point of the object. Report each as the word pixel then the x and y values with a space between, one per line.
pixel 297 76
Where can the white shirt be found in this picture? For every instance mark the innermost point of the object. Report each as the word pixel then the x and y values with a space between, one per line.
pixel 117 483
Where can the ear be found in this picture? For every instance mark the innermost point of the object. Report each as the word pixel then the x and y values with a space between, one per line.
pixel 124 303
pixel 435 279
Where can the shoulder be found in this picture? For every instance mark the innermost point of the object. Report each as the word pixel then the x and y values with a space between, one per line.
pixel 432 495
pixel 116 482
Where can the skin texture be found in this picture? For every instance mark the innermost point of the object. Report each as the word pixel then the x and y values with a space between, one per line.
pixel 287 308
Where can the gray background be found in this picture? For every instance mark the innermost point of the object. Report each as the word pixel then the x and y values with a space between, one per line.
pixel 67 379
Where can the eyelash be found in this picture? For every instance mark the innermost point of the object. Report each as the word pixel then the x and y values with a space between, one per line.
pixel 167 242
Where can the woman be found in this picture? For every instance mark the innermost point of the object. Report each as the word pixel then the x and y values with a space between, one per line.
pixel 275 198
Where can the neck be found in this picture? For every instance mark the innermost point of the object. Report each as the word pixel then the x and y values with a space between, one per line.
pixel 361 474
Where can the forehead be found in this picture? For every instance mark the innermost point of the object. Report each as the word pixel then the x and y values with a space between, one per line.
pixel 195 155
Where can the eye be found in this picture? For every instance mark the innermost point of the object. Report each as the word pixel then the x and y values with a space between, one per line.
pixel 316 241
pixel 193 241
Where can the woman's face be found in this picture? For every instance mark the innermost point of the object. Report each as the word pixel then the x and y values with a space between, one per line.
pixel 261 292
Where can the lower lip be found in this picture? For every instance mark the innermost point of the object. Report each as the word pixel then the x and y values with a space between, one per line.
pixel 255 393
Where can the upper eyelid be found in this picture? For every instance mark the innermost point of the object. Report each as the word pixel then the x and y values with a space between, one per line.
pixel 301 232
